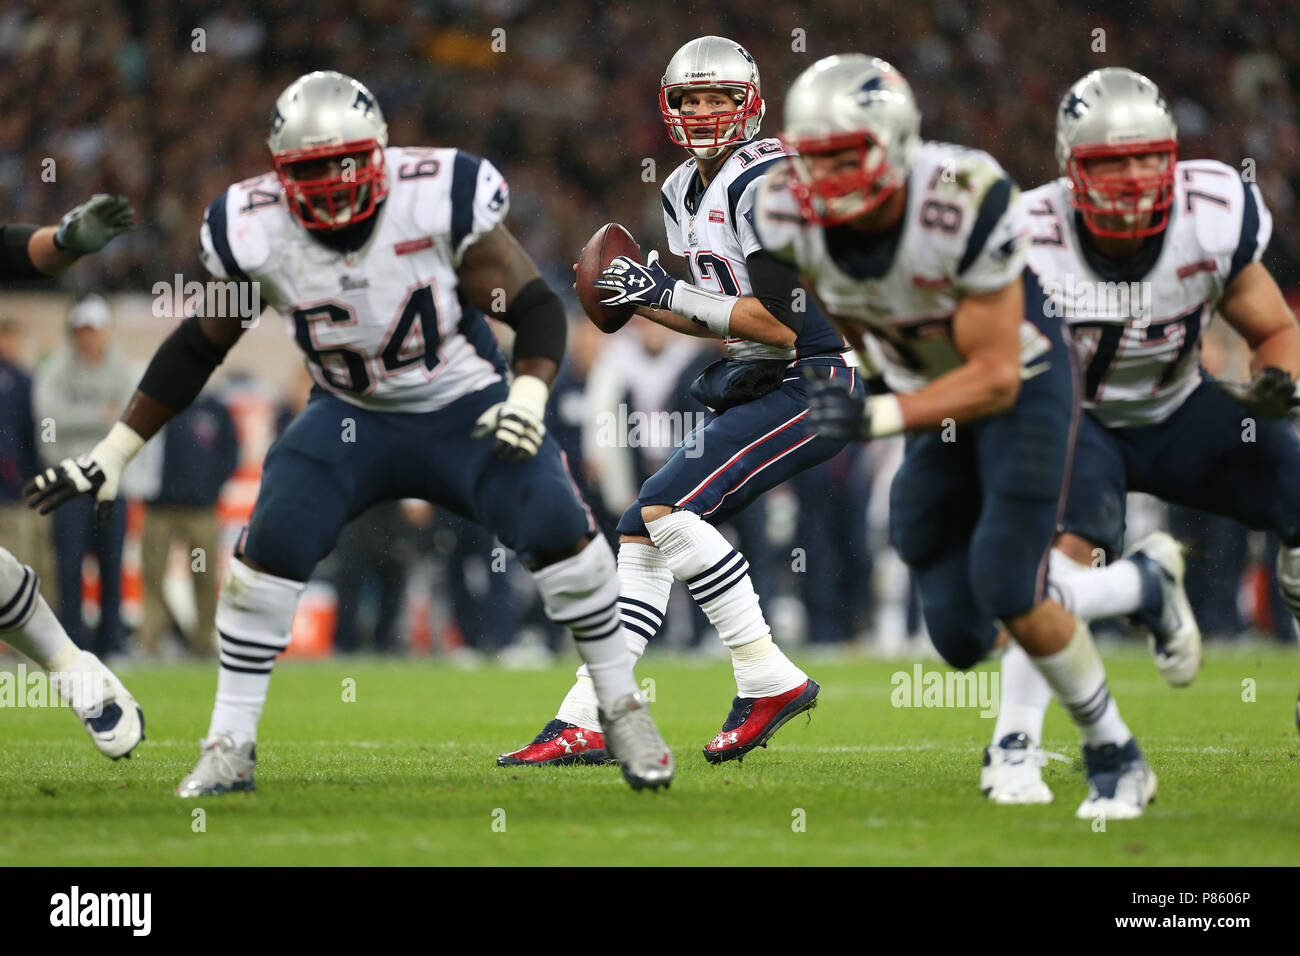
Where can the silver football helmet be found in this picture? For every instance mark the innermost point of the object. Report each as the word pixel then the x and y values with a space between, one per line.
pixel 327 141
pixel 1112 114
pixel 850 101
pixel 709 63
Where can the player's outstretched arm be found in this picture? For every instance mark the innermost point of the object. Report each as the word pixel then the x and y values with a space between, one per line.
pixel 986 332
pixel 177 373
pixel 85 229
pixel 498 277
pixel 1253 305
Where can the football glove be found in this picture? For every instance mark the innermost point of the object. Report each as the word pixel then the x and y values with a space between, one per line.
pixel 835 413
pixel 94 224
pixel 1270 394
pixel 635 284
pixel 517 422
pixel 96 473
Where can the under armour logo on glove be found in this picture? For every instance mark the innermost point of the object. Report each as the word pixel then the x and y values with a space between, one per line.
pixel 635 284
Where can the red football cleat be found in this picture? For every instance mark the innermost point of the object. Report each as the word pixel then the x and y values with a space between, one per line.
pixel 560 743
pixel 753 721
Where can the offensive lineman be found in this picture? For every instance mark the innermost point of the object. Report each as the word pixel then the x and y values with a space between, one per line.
pixel 1182 240
pixel 759 436
pixel 378 257
pixel 923 246
pixel 104 706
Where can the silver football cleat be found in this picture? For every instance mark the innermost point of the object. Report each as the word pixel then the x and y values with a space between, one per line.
pixel 633 739
pixel 222 768
pixel 1175 636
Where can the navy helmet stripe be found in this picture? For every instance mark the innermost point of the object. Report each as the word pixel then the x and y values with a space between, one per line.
pixel 216 217
pixel 741 182
pixel 668 207
pixel 1246 246
pixel 464 184
pixel 992 209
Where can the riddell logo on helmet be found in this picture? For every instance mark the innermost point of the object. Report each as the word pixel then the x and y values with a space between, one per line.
pixel 708 74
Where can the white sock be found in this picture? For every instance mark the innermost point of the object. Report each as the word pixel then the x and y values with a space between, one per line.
pixel 254 620
pixel 1095 593
pixel 26 622
pixel 1075 673
pixel 581 593
pixel 717 575
pixel 644 585
pixel 1025 697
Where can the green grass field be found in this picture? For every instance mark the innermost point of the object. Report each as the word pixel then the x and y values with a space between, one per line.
pixel 406 775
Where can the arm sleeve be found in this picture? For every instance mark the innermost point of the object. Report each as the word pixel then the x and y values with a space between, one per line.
pixel 997 244
pixel 480 201
pixel 774 284
pixel 15 263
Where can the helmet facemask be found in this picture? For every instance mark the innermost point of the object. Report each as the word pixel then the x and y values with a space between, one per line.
pixel 333 200
pixel 1123 207
pixel 707 135
pixel 837 198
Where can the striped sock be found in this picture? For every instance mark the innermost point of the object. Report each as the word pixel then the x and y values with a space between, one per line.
pixel 254 619
pixel 1078 677
pixel 716 574
pixel 581 593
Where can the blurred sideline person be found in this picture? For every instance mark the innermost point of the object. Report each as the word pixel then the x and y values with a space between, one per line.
pixel 383 260
pixel 1187 236
pixel 200 450
pixel 27 533
pixel 920 247
pixel 105 708
pixel 78 392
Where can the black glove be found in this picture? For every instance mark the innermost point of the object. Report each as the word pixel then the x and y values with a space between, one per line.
pixel 835 413
pixel 61 483
pixel 1270 394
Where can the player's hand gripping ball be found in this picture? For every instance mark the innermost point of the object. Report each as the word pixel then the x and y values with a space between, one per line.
pixel 610 242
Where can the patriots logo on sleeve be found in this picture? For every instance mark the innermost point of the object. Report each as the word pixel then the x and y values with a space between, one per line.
pixel 498 198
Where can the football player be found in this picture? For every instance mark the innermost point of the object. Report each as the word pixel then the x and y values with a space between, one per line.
pixel 920 247
pixel 1137 250
pixel 104 706
pixel 379 259
pixel 759 434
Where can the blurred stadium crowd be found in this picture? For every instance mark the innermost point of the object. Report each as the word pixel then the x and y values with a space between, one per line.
pixel 168 103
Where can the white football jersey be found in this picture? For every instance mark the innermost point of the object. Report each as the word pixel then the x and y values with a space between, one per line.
pixel 382 327
pixel 962 233
pixel 712 227
pixel 1140 342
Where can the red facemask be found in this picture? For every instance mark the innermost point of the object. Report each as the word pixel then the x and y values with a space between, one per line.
pixel 332 202
pixel 1123 200
pixel 712 131
pixel 829 200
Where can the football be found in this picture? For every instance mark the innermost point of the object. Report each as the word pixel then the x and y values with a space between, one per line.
pixel 610 241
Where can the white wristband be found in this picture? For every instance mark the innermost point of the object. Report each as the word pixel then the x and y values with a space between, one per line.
pixel 885 415
pixel 710 309
pixel 530 392
pixel 118 447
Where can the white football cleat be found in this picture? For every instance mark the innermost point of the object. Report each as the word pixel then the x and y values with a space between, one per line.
pixel 1175 639
pixel 1013 772
pixel 104 706
pixel 1120 783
